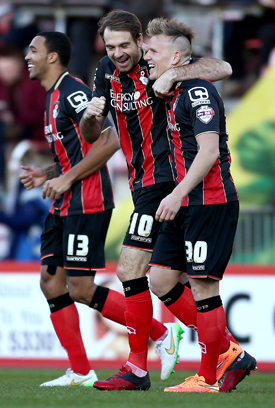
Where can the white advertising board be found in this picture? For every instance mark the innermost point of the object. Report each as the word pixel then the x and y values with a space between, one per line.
pixel 26 331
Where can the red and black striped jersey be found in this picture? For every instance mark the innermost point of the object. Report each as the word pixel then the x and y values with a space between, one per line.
pixel 197 108
pixel 140 119
pixel 66 102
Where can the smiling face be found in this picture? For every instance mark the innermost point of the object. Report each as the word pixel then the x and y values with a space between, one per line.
pixel 37 59
pixel 122 50
pixel 160 55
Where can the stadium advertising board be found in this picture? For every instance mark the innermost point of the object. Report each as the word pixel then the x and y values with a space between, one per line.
pixel 27 337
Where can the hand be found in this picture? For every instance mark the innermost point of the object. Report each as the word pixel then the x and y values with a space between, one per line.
pixel 95 108
pixel 56 187
pixel 163 85
pixel 32 177
pixel 168 207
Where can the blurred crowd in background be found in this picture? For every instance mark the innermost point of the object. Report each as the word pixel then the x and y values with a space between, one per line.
pixel 240 32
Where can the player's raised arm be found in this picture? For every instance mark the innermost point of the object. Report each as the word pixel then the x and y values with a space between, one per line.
pixel 92 120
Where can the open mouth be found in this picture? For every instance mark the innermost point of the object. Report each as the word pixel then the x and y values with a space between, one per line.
pixel 123 62
pixel 30 66
pixel 151 68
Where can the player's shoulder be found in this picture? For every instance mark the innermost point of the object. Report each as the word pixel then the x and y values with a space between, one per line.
pixel 106 64
pixel 71 83
pixel 196 82
pixel 74 93
pixel 198 86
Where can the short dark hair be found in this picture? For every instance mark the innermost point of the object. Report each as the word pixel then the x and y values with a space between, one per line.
pixel 120 20
pixel 59 43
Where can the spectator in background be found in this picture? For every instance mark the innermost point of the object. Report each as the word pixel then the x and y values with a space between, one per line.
pixel 248 42
pixel 16 28
pixel 14 90
pixel 6 16
pixel 22 101
pixel 24 212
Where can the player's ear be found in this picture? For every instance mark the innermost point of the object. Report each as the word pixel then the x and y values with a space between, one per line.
pixel 140 40
pixel 52 57
pixel 176 58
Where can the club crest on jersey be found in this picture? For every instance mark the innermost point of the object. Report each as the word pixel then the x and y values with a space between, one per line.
pixel 78 100
pixel 56 107
pixel 205 114
pixel 142 75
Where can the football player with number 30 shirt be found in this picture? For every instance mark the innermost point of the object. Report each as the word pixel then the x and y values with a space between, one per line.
pixel 201 213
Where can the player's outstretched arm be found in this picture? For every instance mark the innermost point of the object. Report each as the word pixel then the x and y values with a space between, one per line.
pixel 34 177
pixel 209 68
pixel 99 153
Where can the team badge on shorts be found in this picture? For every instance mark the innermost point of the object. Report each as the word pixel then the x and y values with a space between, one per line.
pixel 205 114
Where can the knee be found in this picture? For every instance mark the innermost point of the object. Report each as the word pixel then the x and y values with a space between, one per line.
pixel 45 279
pixel 81 292
pixel 155 285
pixel 52 281
pixel 74 290
pixel 74 294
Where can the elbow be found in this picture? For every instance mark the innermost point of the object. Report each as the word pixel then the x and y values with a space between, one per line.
pixel 114 148
pixel 216 155
pixel 117 146
pixel 228 70
pixel 89 135
pixel 88 138
pixel 213 155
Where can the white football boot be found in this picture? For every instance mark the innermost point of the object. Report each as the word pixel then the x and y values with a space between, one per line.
pixel 72 379
pixel 168 349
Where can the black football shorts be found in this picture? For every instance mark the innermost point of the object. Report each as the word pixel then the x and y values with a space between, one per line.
pixel 198 241
pixel 75 242
pixel 143 228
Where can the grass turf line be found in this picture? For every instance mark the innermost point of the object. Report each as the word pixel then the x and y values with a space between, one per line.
pixel 19 388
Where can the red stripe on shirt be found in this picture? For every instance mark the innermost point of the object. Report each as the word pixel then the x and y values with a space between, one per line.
pixel 213 189
pixel 60 151
pixel 92 185
pixel 124 136
pixel 145 116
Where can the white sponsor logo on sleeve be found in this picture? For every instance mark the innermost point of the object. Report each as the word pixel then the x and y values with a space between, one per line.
pixel 198 96
pixel 78 100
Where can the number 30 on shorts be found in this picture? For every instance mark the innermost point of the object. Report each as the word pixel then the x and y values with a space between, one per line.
pixel 144 226
pixel 197 254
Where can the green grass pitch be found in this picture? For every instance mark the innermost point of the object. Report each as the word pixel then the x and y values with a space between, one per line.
pixel 19 388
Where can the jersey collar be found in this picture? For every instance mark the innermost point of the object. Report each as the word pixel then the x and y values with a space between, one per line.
pixel 60 79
